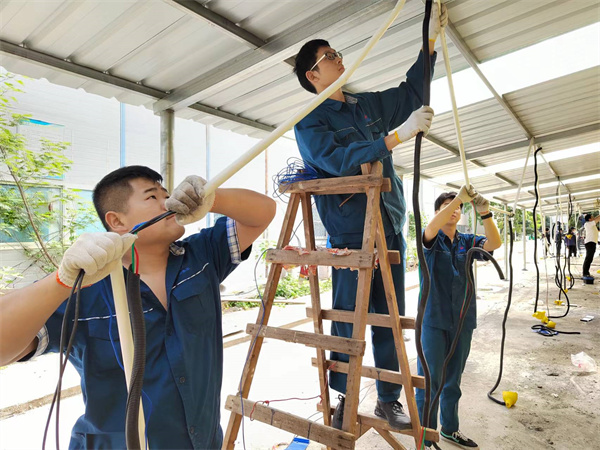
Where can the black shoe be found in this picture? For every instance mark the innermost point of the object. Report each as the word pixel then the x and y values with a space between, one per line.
pixel 338 414
pixel 459 439
pixel 393 413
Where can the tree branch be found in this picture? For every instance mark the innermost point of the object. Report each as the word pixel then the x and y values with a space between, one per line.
pixel 41 242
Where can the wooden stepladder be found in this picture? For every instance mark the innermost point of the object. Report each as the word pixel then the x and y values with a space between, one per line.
pixel 354 425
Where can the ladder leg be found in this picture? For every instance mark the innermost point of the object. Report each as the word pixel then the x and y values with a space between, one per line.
pixel 360 313
pixel 309 235
pixel 269 294
pixel 390 293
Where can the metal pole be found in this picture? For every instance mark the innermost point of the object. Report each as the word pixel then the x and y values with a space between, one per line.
pixel 524 239
pixel 167 125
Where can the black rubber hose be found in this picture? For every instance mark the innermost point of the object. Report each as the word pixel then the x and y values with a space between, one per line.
pixel 571 279
pixel 558 280
pixel 535 232
pixel 550 332
pixel 468 297
pixel 138 329
pixel 63 360
pixel 425 285
pixel 510 289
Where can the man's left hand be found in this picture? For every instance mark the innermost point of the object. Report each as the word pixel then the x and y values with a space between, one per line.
pixel 437 21
pixel 189 200
pixel 481 204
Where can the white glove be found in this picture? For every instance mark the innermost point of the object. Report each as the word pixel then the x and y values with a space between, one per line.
pixel 98 254
pixel 467 194
pixel 437 21
pixel 189 202
pixel 481 204
pixel 419 120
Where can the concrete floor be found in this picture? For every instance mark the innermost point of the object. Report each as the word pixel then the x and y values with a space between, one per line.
pixel 557 407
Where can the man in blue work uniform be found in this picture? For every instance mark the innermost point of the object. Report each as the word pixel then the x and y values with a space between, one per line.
pixel 180 299
pixel 445 252
pixel 342 133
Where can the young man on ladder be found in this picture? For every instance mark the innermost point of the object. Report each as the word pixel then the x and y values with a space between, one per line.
pixel 342 133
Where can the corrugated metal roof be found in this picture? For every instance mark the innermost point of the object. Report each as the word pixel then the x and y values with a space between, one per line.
pixel 153 49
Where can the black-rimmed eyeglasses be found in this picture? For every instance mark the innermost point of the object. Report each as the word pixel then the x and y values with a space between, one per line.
pixel 329 55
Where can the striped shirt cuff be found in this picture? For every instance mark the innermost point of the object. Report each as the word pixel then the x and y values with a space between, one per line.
pixel 41 347
pixel 232 241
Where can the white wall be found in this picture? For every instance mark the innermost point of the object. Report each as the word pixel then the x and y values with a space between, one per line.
pixel 92 124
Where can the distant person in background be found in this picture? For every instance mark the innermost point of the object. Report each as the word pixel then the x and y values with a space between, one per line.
pixel 547 243
pixel 558 237
pixel 591 240
pixel 571 242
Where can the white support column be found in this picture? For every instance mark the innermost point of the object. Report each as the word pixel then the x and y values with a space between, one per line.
pixel 524 239
pixel 167 125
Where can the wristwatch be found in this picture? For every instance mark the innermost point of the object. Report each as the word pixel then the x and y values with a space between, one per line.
pixel 486 216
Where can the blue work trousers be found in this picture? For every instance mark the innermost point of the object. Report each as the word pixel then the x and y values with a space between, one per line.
pixel 436 345
pixel 345 284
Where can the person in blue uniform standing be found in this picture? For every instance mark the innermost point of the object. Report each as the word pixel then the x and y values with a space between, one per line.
pixel 571 242
pixel 445 251
pixel 180 298
pixel 342 133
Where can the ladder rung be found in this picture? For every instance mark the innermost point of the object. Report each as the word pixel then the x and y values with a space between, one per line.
pixel 314 431
pixel 328 186
pixel 379 320
pixel 335 343
pixel 373 372
pixel 356 259
pixel 394 256
pixel 369 420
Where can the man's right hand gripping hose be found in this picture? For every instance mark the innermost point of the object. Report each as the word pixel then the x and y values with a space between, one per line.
pixel 97 254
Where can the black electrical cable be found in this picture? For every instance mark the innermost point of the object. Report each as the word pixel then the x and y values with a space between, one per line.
pixel 138 329
pixel 571 213
pixel 468 297
pixel 139 227
pixel 558 280
pixel 550 332
pixel 535 232
pixel 510 289
pixel 425 285
pixel 64 358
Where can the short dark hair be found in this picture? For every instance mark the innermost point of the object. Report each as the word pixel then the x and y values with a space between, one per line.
pixel 305 59
pixel 442 198
pixel 588 217
pixel 113 191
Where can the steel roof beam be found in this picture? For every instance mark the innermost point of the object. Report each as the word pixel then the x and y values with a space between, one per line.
pixel 468 54
pixel 71 68
pixel 530 186
pixel 199 11
pixel 341 15
pixel 507 147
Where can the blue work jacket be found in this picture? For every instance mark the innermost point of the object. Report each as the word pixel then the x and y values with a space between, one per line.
pixel 337 137
pixel 446 262
pixel 184 351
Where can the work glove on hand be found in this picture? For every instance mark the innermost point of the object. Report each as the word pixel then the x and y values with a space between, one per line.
pixel 98 254
pixel 467 194
pixel 419 120
pixel 189 201
pixel 481 204
pixel 437 21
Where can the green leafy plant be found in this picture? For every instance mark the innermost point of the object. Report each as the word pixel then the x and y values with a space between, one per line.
pixel 38 216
